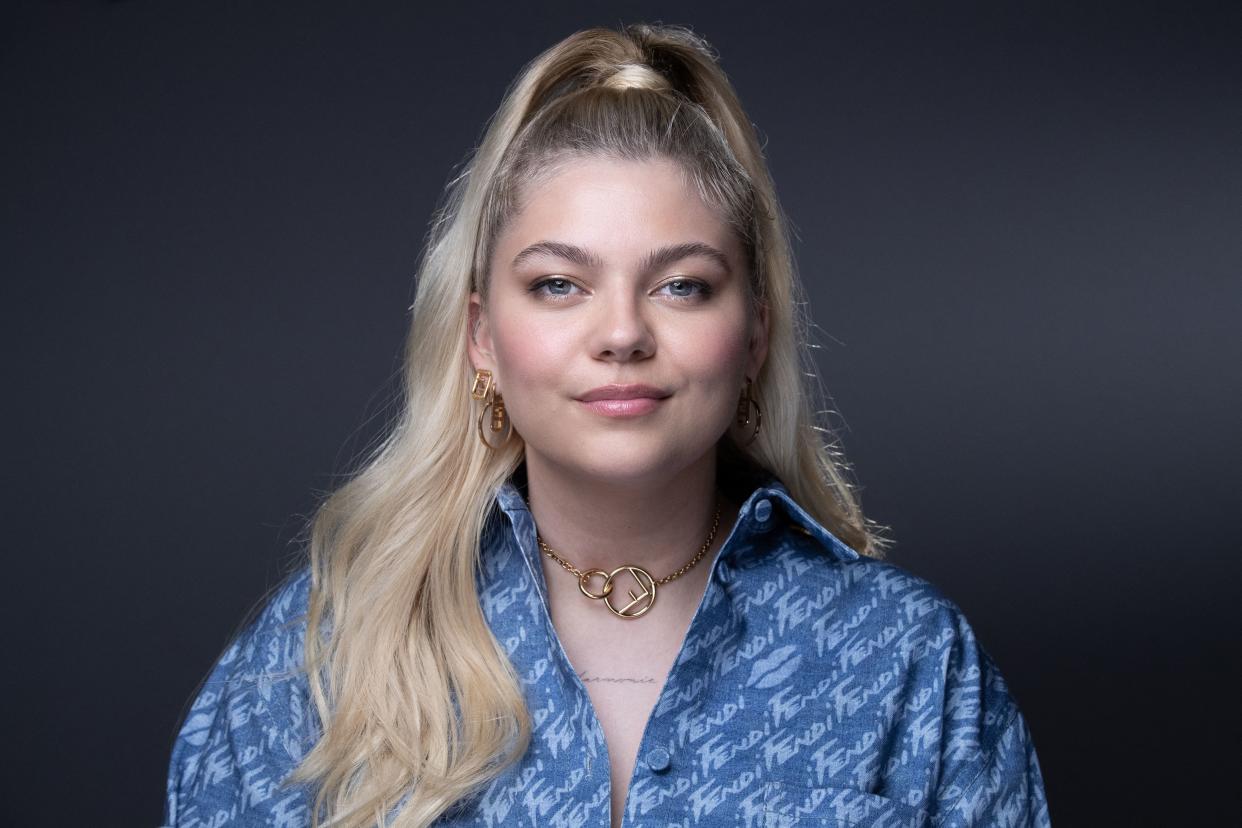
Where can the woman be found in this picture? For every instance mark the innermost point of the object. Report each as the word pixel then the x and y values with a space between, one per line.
pixel 604 569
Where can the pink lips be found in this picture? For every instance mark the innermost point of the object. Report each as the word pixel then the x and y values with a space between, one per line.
pixel 623 400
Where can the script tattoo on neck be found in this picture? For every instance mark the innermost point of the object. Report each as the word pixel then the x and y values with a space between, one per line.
pixel 587 679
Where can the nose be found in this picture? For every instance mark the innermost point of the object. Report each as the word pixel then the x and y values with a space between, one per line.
pixel 621 331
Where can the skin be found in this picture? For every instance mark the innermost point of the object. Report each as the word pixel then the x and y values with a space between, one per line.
pixel 610 491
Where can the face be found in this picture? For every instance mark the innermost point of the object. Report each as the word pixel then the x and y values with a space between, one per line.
pixel 618 324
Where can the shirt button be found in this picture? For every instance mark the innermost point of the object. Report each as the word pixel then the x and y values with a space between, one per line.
pixel 763 511
pixel 658 760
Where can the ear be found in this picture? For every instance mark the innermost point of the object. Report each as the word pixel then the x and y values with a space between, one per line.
pixel 479 335
pixel 758 347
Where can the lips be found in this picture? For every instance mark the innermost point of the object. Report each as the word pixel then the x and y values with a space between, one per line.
pixel 624 400
pixel 624 392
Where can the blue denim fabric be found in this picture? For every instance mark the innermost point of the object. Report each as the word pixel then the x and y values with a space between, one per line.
pixel 814 687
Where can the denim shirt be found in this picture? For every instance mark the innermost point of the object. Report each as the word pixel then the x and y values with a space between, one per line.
pixel 814 687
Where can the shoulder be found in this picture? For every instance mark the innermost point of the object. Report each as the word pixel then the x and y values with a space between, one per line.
pixel 268 650
pixel 848 612
pixel 251 721
pixel 850 609
pixel 787 564
pixel 895 655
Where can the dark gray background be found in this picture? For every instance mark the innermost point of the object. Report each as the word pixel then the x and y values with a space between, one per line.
pixel 1019 224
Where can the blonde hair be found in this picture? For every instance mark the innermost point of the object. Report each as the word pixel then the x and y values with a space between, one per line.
pixel 419 703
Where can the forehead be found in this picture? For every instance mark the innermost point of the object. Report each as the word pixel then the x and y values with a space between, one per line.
pixel 614 204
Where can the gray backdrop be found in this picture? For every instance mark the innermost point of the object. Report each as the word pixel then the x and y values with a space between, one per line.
pixel 1019 226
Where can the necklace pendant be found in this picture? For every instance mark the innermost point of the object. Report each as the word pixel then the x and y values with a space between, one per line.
pixel 639 602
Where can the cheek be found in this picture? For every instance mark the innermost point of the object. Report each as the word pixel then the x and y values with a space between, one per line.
pixel 526 361
pixel 716 357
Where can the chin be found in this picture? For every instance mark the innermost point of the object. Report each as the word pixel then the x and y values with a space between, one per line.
pixel 622 458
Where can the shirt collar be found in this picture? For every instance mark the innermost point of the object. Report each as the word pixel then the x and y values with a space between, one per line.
pixel 762 510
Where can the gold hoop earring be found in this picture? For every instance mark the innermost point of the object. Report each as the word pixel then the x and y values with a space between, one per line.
pixel 744 403
pixel 484 389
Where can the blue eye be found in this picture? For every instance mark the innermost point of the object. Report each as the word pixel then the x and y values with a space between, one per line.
pixel 687 289
pixel 554 287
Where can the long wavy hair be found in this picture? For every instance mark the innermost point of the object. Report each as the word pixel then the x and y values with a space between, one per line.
pixel 419 704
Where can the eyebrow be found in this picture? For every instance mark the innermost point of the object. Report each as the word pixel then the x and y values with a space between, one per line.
pixel 658 258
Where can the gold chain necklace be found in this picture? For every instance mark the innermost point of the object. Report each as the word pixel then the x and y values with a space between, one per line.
pixel 641 603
